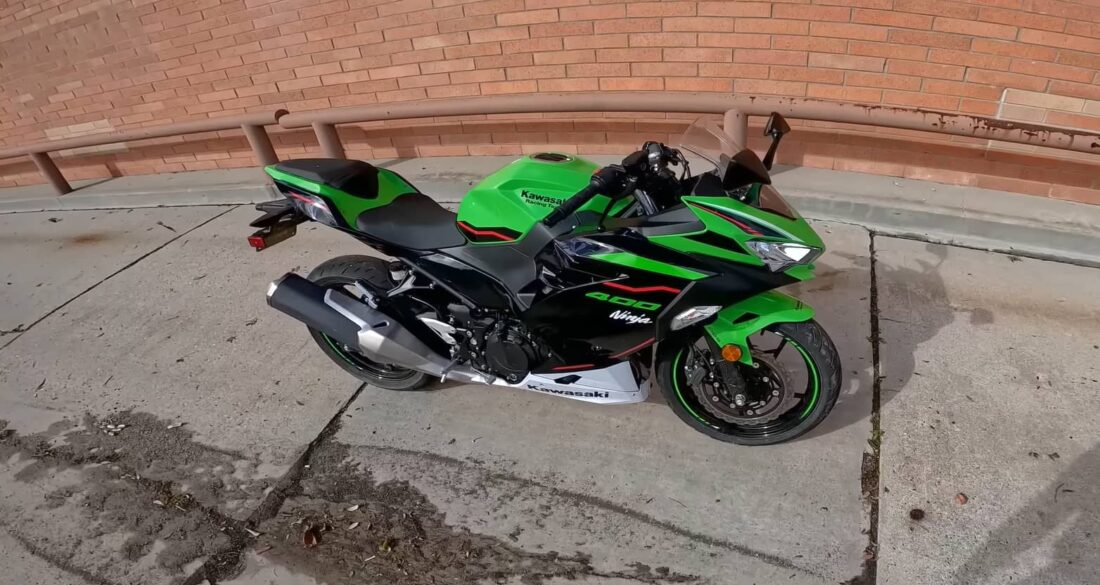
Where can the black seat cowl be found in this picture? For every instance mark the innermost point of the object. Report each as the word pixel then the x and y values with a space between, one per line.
pixel 354 177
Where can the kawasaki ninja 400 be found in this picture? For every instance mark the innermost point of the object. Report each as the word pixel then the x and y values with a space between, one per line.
pixel 561 277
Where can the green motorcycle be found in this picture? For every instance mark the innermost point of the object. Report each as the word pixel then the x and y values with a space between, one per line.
pixel 561 277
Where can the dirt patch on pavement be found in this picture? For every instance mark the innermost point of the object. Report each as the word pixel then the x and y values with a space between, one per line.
pixel 138 478
pixel 343 527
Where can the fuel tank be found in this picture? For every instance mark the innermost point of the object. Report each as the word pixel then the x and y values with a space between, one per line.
pixel 504 205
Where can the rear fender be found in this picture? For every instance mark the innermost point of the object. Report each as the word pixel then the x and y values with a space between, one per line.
pixel 735 323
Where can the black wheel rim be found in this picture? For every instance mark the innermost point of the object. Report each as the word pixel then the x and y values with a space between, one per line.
pixel 806 390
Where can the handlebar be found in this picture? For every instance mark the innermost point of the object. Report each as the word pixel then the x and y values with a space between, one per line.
pixel 604 181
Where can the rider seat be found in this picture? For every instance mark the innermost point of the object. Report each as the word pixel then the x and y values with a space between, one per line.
pixel 413 221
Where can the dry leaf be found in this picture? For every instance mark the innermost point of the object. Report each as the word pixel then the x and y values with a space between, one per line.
pixel 159 503
pixel 175 425
pixel 251 532
pixel 352 508
pixel 263 550
pixel 353 526
pixel 960 498
pixel 310 538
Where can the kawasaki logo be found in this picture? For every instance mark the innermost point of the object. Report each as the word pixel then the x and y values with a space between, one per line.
pixel 630 317
pixel 569 392
pixel 543 200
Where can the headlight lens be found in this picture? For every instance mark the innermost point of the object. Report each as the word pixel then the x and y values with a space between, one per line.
pixel 780 255
pixel 314 207
pixel 693 315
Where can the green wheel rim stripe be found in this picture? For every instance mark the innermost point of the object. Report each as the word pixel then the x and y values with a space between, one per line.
pixel 339 351
pixel 813 376
pixel 676 387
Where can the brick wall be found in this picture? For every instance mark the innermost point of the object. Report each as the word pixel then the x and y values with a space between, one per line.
pixel 68 68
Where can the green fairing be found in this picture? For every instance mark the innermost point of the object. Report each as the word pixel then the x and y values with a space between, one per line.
pixel 770 307
pixel 527 190
pixel 390 187
pixel 642 263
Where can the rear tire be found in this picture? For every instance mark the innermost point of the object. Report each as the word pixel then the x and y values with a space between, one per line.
pixel 343 272
pixel 823 379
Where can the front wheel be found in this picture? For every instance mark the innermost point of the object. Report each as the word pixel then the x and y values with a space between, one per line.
pixel 790 387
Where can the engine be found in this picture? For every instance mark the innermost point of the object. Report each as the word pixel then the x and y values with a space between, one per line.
pixel 501 347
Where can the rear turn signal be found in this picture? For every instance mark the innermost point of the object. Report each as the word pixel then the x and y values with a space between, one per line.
pixel 731 353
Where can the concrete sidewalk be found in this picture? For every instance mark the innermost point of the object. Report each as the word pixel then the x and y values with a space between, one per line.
pixel 964 216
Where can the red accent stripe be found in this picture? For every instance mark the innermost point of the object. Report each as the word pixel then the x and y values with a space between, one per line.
pixel 477 232
pixel 634 349
pixel 576 367
pixel 642 289
pixel 303 199
pixel 744 226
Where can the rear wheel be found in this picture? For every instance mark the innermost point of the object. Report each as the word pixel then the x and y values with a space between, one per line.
pixel 790 387
pixel 342 273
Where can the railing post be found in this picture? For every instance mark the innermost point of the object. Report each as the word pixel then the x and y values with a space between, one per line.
pixel 329 140
pixel 736 124
pixel 53 174
pixel 260 143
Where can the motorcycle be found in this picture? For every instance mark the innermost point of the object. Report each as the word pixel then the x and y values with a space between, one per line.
pixel 561 277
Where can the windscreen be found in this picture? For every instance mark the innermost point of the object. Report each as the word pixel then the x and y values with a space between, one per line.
pixel 706 139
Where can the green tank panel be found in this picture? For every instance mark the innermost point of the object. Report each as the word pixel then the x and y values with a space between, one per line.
pixel 527 190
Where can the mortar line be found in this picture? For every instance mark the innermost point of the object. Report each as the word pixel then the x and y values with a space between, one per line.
pixel 20 331
pixel 284 487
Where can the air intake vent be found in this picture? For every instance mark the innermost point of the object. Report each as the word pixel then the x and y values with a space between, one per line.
pixel 551 157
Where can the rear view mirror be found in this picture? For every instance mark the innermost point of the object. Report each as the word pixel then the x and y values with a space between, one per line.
pixel 776 127
pixel 743 169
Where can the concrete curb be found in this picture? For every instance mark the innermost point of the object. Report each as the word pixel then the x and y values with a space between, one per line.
pixel 964 216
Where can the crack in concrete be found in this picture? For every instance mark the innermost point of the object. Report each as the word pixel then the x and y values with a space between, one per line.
pixel 19 332
pixel 56 561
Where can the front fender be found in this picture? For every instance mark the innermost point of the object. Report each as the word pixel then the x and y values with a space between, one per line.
pixel 735 323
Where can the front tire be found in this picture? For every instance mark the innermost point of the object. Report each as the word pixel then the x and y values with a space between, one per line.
pixel 811 397
pixel 342 273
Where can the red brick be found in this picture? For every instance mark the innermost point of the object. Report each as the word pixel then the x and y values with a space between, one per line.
pixel 576 84
pixel 411 31
pixel 664 69
pixel 294 84
pixel 807 74
pixel 846 62
pixel 969 59
pixel 651 9
pixel 949 8
pixel 771 26
pixel 695 24
pixel 559 29
pixel 317 70
pixel 699 84
pixel 491 7
pixel 1081 29
pixel 562 57
pixel 663 40
pixel 707 55
pixel 734 70
pixel 627 25
pixel 395 71
pixel 738 8
pixel 887 50
pixel 760 86
pixel 1012 49
pixel 423 80
pixel 734 40
pixel 1006 79
pixel 1043 69
pixel 601 12
pixel 527 17
pixel 892 18
pixel 598 70
pixel 467 24
pixel 477 76
pixel 930 39
pixel 770 57
pixel 1089 60
pixel 441 40
pixel 971 90
pixel 632 84
pixel 848 94
pixel 812 13
pixel 812 44
pixel 1051 39
pixel 505 60
pixel 454 90
pixel 370 62
pixel 977 29
pixel 447 66
pixel 289 63
pixel 918 69
pixel 498 34
pixel 862 32
pixel 477 50
pixel 1022 18
pixel 885 81
pixel 1081 90
pixel 420 56
pixel 1071 10
pixel 498 87
pixel 531 45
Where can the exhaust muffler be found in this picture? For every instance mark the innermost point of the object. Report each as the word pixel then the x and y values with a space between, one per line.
pixel 353 323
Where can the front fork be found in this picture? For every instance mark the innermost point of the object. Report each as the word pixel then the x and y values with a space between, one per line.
pixel 734 324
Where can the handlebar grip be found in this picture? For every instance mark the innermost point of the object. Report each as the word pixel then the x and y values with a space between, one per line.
pixel 600 183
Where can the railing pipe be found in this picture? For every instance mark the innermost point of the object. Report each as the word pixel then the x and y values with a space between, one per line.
pixel 49 169
pixel 329 140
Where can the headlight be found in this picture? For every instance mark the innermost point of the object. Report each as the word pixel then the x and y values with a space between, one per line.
pixel 780 255
pixel 693 315
pixel 314 207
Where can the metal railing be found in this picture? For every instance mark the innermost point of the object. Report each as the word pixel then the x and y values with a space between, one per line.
pixel 735 111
